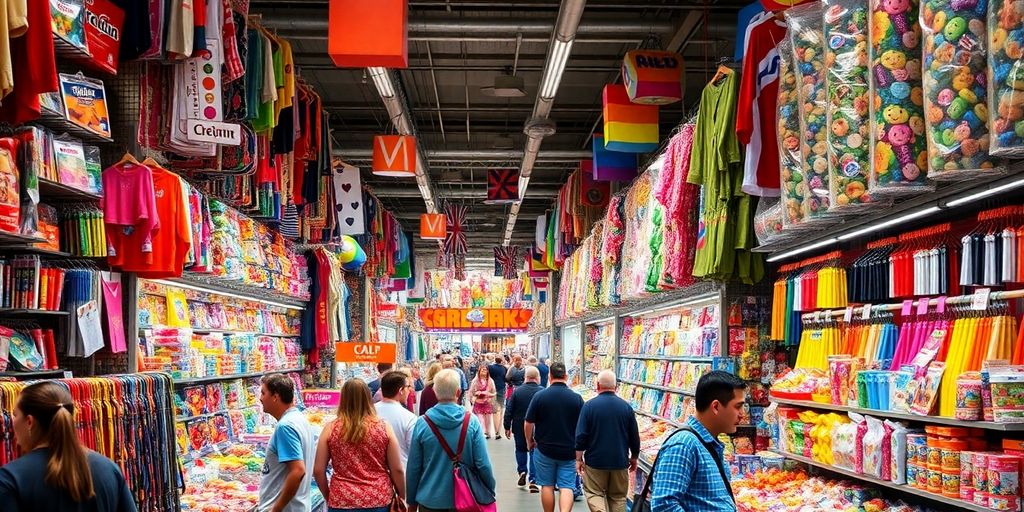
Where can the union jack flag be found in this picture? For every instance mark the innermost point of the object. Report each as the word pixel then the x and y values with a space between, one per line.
pixel 506 262
pixel 455 239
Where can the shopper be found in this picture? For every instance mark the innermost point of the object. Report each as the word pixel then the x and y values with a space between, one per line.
pixel 364 452
pixel 551 427
pixel 448 363
pixel 516 374
pixel 429 482
pixel 56 473
pixel 286 478
pixel 410 395
pixel 497 372
pixel 396 386
pixel 689 473
pixel 544 367
pixel 481 396
pixel 375 383
pixel 607 447
pixel 515 415
pixel 427 398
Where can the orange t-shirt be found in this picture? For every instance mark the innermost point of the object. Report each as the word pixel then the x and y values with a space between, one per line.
pixel 170 243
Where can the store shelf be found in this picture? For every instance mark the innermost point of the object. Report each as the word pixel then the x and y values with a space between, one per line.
pixel 938 420
pixel 957 504
pixel 31 312
pixel 659 418
pixel 210 284
pixel 699 292
pixel 655 386
pixel 243 333
pixel 59 124
pixel 219 378
pixel 31 249
pixel 706 359
pixel 8 239
pixel 38 374
pixel 52 191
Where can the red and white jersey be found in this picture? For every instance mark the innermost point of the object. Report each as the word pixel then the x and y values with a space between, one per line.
pixel 755 116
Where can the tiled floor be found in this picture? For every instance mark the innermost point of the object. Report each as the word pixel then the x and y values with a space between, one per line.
pixel 510 497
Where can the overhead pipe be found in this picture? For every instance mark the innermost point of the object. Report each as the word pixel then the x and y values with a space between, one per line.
pixel 477 191
pixel 460 155
pixel 287 22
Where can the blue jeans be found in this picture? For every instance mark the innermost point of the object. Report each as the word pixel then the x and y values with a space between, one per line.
pixel 521 461
pixel 531 469
pixel 555 473
pixel 379 509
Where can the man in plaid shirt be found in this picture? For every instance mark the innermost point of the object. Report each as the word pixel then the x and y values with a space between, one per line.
pixel 690 473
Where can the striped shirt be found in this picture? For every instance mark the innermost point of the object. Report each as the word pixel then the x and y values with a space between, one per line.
pixel 686 476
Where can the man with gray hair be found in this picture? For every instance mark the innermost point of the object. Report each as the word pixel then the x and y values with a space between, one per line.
pixel 515 414
pixel 607 447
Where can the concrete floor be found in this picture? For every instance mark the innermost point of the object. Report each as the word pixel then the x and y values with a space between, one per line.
pixel 510 497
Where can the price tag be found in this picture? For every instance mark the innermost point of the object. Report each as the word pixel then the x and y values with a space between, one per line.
pixel 907 305
pixel 941 308
pixel 828 315
pixel 69 375
pixel 922 306
pixel 848 315
pixel 979 302
pixel 866 314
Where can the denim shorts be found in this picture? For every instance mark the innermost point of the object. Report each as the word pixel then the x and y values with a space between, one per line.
pixel 556 473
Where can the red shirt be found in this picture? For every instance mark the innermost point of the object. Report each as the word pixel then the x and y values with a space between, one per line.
pixel 361 478
pixel 170 243
pixel 33 64
pixel 755 115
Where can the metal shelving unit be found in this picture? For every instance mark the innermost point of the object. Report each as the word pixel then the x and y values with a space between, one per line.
pixel 938 420
pixel 655 386
pixel 32 312
pixel 219 378
pixel 52 191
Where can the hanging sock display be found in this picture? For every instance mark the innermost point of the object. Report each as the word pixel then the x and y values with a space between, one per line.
pixel 993 251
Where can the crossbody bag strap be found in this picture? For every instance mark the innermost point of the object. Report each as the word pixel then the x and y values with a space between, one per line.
pixel 707 446
pixel 650 478
pixel 444 444
pixel 462 437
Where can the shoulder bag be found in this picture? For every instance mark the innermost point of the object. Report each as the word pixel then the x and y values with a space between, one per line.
pixel 641 503
pixel 470 494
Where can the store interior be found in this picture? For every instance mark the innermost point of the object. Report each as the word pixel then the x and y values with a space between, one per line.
pixel 824 198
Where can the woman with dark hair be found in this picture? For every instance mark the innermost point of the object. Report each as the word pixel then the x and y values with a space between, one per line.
pixel 365 455
pixel 56 473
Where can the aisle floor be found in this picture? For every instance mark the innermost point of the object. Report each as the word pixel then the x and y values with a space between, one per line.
pixel 510 497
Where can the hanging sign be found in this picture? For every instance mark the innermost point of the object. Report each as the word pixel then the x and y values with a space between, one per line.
pixel 394 155
pixel 321 398
pixel 628 127
pixel 213 131
pixel 502 186
pixel 363 34
pixel 653 77
pixel 356 352
pixel 348 199
pixel 475 319
pixel 433 226
pixel 612 165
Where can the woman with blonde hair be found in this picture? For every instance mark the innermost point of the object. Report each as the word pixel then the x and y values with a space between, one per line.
pixel 364 453
pixel 428 398
pixel 56 473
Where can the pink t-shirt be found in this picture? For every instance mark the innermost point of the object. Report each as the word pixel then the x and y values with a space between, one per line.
pixel 129 203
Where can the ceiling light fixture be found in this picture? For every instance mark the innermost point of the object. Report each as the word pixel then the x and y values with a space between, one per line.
pixel 554 67
pixel 985 193
pixel 891 222
pixel 801 250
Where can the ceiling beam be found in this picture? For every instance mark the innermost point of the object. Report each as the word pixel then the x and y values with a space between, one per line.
pixel 478 191
pixel 462 155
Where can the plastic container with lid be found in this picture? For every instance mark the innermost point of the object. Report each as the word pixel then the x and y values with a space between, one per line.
pixel 950 453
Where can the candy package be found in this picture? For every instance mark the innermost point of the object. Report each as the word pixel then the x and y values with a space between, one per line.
pixel 955 91
pixel 927 390
pixel 807 37
pixel 848 112
pixel 1006 77
pixel 844 450
pixel 768 220
pixel 791 169
pixel 897 452
pixel 871 447
pixel 898 152
pixel 1007 384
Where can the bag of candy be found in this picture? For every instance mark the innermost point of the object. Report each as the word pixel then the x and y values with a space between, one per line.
pixel 955 92
pixel 898 151
pixel 807 36
pixel 1006 77
pixel 768 220
pixel 848 112
pixel 794 187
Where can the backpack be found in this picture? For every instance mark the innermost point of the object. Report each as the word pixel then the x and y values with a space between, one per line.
pixel 470 494
pixel 641 502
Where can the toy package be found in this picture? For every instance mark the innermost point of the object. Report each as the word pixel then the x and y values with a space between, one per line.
pixel 195 401
pixel 848 113
pixel 67 18
pixel 807 37
pixel 1006 77
pixel 198 434
pixel 788 139
pixel 955 91
pixel 69 160
pixel 898 152
pixel 85 103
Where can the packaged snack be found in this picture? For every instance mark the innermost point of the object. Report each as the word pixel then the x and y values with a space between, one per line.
pixel 898 152
pixel 871 447
pixel 1003 479
pixel 986 386
pixel 980 478
pixel 195 400
pixel 1007 393
pixel 901 398
pixel 794 187
pixel 967 476
pixel 844 451
pixel 85 103
pixel 768 220
pixel 897 452
pixel 1006 77
pixel 848 112
pixel 807 37
pixel 955 89
pixel 968 396
pixel 927 391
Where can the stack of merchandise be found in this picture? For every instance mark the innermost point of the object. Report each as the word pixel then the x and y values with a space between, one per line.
pixel 598 350
pixel 688 331
pixel 784 490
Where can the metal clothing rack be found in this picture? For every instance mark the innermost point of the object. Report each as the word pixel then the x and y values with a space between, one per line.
pixel 957 299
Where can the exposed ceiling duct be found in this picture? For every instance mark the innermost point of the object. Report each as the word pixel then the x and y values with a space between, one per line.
pixel 472 191
pixel 567 25
pixel 470 155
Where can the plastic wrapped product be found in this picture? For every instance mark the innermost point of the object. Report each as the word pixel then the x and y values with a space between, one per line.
pixel 898 452
pixel 807 36
pixel 768 220
pixel 1006 77
pixel 846 85
pixel 898 151
pixel 844 449
pixel 871 446
pixel 794 187
pixel 955 92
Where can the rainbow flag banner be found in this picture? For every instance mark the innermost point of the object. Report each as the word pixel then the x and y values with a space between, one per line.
pixel 628 127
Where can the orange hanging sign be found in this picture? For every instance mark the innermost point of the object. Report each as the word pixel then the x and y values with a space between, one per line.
pixel 394 155
pixel 475 320
pixel 433 226
pixel 362 33
pixel 356 352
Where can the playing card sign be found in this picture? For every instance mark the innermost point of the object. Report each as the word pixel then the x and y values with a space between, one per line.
pixel 348 194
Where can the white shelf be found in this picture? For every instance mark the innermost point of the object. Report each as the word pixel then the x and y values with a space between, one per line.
pixel 656 386
pixel 938 420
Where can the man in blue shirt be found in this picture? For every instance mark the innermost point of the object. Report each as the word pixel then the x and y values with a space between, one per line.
pixel 543 367
pixel 690 474
pixel 550 427
pixel 607 447
pixel 287 470
pixel 497 372
pixel 515 414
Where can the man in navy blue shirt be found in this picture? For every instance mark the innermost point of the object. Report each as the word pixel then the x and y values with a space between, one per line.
pixel 607 447
pixel 497 372
pixel 551 428
pixel 515 414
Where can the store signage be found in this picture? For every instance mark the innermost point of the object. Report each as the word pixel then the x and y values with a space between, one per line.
pixel 394 155
pixel 213 131
pixel 628 127
pixel 475 320
pixel 653 77
pixel 103 22
pixel 361 33
pixel 612 165
pixel 321 398
pixel 356 352
pixel 433 226
pixel 502 186
pixel 387 311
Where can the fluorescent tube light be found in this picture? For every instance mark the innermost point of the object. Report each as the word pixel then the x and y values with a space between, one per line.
pixel 801 250
pixel 891 222
pixel 382 80
pixel 987 192
pixel 555 66
pixel 224 293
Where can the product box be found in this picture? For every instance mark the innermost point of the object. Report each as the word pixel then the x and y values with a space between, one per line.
pixel 104 21
pixel 85 103
pixel 69 159
pixel 67 18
